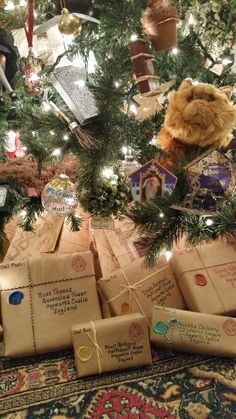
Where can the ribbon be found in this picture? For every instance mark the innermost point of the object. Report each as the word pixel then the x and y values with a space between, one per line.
pixel 30 28
pixel 94 341
pixel 132 289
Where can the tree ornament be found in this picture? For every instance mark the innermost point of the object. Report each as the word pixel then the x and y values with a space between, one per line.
pixel 144 67
pixel 69 24
pixel 31 65
pixel 8 65
pixel 59 197
pixel 159 23
pixel 111 194
pixel 86 140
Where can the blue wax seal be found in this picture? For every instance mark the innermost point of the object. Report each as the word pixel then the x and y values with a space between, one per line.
pixel 160 328
pixel 16 297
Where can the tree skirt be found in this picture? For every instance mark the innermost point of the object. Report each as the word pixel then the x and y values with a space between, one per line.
pixel 174 386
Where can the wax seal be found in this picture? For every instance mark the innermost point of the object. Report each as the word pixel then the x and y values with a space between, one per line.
pixel 160 328
pixel 16 297
pixel 229 327
pixel 136 331
pixel 125 309
pixel 84 353
pixel 200 280
pixel 78 263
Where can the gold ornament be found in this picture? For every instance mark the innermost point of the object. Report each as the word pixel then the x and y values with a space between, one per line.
pixel 69 24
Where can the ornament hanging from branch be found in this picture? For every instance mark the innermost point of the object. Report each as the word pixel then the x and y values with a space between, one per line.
pixel 68 23
pixel 8 65
pixel 71 85
pixel 59 197
pixel 31 65
pixel 144 67
pixel 85 139
pixel 159 23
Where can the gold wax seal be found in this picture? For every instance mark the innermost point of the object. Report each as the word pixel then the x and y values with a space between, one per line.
pixel 126 308
pixel 84 354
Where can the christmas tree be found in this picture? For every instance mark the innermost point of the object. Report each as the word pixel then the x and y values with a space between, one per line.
pixel 114 125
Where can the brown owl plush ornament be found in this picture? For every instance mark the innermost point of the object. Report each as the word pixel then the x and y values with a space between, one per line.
pixel 198 115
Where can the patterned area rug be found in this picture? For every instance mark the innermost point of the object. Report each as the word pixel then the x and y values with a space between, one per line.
pixel 174 386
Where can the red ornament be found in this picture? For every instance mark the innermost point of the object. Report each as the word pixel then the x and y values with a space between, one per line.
pixel 144 67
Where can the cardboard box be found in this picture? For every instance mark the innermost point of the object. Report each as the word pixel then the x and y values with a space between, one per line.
pixel 137 288
pixel 111 344
pixel 207 277
pixel 186 331
pixel 42 298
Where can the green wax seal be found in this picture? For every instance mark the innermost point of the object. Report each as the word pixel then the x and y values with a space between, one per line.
pixel 161 328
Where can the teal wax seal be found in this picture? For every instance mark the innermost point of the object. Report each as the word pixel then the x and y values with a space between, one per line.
pixel 161 328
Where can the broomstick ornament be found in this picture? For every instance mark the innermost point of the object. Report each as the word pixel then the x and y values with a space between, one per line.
pixel 86 140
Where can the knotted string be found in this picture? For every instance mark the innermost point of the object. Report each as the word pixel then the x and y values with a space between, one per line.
pixel 132 289
pixel 99 352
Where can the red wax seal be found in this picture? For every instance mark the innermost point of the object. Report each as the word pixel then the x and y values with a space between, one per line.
pixel 229 327
pixel 136 331
pixel 200 280
pixel 78 263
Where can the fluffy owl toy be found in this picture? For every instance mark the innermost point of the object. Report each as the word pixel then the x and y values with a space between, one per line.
pixel 198 115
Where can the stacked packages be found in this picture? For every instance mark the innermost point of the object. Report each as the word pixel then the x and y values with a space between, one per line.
pixel 50 301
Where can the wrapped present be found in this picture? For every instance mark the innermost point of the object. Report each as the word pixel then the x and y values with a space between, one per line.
pixel 42 298
pixel 111 344
pixel 51 235
pixel 136 288
pixel 187 331
pixel 117 247
pixel 207 277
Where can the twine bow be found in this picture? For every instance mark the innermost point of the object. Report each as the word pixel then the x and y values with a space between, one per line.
pixel 99 352
pixel 132 289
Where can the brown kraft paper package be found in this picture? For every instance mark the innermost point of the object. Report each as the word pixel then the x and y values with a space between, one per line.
pixel 207 277
pixel 51 235
pixel 42 298
pixel 186 331
pixel 136 288
pixel 111 344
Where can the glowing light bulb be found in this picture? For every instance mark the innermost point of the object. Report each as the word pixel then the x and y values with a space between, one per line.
pixel 46 107
pixel 226 61
pixel 56 152
pixel 191 20
pixel 209 222
pixel 9 6
pixel 124 150
pixel 161 215
pixel 108 172
pixel 175 51
pixel 117 84
pixel 168 255
pixel 134 37
pixel 133 109
pixel 66 137
pixel 52 132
